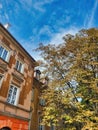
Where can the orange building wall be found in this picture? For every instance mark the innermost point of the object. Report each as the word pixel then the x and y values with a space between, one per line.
pixel 26 79
pixel 35 106
pixel 13 123
pixel 23 81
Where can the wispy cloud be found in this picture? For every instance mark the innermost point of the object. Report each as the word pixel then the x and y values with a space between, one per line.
pixel 1 6
pixel 46 30
pixel 57 37
pixel 33 4
pixel 92 14
pixel 39 4
pixel 90 18
pixel 53 37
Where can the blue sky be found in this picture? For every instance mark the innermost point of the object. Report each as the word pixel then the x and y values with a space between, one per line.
pixel 47 21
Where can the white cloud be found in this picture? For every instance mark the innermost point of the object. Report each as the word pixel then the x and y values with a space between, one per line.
pixel 38 5
pixel 92 14
pixel 46 29
pixel 6 16
pixel 1 6
pixel 57 38
pixel 26 4
pixel 90 18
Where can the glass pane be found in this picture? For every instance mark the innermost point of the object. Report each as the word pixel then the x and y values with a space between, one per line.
pixel 5 52
pixel 9 98
pixel 1 50
pixel 13 102
pixel 12 95
pixel 17 64
pixel 0 77
pixel 20 67
pixel 15 91
pixel 13 99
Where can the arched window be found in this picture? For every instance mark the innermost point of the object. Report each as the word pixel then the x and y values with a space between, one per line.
pixel 5 128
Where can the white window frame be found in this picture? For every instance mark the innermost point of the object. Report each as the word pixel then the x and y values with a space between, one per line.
pixel 7 55
pixel 18 66
pixel 16 97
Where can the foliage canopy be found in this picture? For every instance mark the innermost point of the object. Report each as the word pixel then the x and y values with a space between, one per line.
pixel 72 95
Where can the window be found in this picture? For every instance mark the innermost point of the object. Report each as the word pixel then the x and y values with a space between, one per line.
pixel 41 127
pixel 4 53
pixel 13 95
pixel 42 102
pixel 1 80
pixel 52 127
pixel 19 66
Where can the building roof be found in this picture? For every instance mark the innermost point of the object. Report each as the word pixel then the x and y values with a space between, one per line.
pixel 17 42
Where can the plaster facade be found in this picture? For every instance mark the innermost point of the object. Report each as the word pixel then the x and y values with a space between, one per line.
pixel 18 79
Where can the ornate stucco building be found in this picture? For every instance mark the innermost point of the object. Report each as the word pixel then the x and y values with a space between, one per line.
pixel 20 87
pixel 16 81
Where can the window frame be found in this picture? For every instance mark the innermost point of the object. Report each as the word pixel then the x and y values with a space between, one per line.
pixel 16 97
pixel 19 64
pixel 41 127
pixel 42 101
pixel 5 56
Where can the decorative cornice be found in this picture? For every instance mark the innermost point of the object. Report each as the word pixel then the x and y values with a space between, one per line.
pixel 14 107
pixel 3 65
pixel 8 34
pixel 18 76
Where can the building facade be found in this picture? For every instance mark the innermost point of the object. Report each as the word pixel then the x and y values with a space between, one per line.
pixel 16 80
pixel 37 103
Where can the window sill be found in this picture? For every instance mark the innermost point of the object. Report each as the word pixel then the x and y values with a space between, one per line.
pixel 3 65
pixel 14 106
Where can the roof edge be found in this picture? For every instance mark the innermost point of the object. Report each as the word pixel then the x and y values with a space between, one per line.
pixel 18 43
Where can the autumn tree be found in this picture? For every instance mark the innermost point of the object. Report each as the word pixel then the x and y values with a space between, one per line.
pixel 72 95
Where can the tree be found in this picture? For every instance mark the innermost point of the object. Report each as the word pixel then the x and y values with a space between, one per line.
pixel 72 95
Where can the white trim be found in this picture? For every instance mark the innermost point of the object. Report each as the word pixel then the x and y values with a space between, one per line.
pixel 8 52
pixel 22 69
pixel 17 94
pixel 22 66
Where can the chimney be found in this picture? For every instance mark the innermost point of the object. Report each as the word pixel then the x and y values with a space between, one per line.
pixel 37 74
pixel 7 25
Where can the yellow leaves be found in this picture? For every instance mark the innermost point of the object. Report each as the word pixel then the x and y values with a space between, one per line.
pixel 88 113
pixel 75 59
